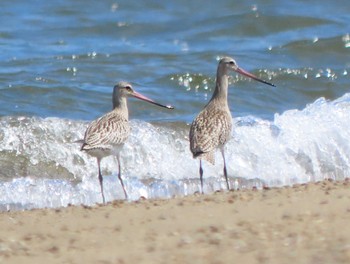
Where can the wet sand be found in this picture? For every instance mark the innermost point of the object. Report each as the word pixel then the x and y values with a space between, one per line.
pixel 300 224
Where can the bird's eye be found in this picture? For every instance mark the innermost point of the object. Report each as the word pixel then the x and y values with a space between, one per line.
pixel 128 88
pixel 232 62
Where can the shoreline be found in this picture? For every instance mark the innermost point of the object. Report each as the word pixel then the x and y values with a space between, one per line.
pixel 305 223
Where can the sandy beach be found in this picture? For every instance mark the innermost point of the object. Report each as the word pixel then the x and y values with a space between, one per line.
pixel 300 224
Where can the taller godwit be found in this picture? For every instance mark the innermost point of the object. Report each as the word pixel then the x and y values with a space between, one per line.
pixel 106 135
pixel 211 129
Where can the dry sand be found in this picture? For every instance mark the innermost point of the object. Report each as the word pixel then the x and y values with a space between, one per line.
pixel 299 224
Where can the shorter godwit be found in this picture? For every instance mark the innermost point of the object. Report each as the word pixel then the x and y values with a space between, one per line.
pixel 211 129
pixel 106 135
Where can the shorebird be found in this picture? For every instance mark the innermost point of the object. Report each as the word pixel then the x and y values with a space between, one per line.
pixel 211 129
pixel 106 135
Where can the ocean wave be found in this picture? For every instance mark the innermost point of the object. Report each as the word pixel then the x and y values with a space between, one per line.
pixel 41 166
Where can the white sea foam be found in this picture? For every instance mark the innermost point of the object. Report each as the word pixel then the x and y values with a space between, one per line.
pixel 41 166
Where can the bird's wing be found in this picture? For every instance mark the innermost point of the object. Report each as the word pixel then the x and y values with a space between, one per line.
pixel 110 129
pixel 211 128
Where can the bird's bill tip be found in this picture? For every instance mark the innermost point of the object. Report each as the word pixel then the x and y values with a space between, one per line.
pixel 146 99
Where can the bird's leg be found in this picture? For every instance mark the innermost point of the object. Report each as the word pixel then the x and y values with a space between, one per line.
pixel 100 178
pixel 201 175
pixel 120 177
pixel 225 170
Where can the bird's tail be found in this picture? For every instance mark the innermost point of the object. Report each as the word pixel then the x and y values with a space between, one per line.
pixel 208 156
pixel 79 141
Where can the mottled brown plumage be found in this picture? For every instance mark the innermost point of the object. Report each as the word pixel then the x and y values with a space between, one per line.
pixel 106 135
pixel 107 132
pixel 211 129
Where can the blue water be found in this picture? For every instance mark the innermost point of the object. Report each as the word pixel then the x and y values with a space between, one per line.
pixel 59 61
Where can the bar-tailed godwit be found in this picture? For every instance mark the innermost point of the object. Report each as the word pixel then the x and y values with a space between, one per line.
pixel 106 135
pixel 211 129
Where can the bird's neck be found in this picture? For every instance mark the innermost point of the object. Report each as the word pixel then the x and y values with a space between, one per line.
pixel 221 88
pixel 121 105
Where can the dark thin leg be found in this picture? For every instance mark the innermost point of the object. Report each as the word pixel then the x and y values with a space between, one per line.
pixel 100 178
pixel 225 170
pixel 201 175
pixel 120 178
